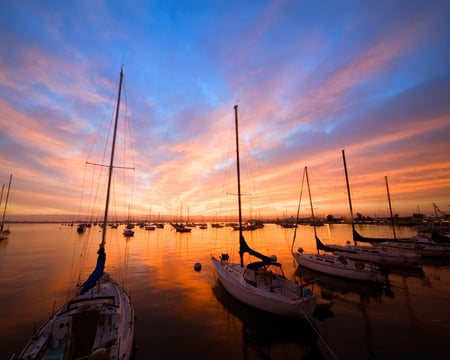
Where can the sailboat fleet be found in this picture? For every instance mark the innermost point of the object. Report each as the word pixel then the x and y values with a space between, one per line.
pixel 377 255
pixel 99 321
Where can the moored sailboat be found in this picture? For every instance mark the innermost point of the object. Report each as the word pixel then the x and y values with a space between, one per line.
pixel 379 255
pixel 335 265
pixel 99 321
pixel 260 284
pixel 419 245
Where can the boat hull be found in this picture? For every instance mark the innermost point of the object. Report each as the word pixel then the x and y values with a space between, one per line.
pixel 421 248
pixel 339 266
pixel 99 322
pixel 378 255
pixel 283 301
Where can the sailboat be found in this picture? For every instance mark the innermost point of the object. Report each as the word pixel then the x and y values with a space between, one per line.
pixel 379 255
pixel 4 233
pixel 336 265
pixel 98 323
pixel 261 284
pixel 418 245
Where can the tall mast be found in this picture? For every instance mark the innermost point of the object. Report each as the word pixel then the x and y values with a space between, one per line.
pixel 390 207
pixel 311 204
pixel 1 195
pixel 298 211
pixel 348 190
pixel 111 163
pixel 6 202
pixel 238 181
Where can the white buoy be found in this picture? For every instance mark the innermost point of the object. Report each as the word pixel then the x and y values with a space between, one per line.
pixel 197 266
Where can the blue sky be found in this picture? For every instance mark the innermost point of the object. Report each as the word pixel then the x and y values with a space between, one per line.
pixel 311 78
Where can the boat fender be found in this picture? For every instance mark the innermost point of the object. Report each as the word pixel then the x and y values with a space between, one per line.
pixel 359 265
pixel 300 250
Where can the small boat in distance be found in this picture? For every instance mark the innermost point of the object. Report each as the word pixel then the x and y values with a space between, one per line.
pixel 98 323
pixel 261 284
pixel 181 227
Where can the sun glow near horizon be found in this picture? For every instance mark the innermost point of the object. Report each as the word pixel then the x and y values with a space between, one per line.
pixel 349 76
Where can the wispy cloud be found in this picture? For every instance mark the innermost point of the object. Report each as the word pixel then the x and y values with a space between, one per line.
pixel 310 80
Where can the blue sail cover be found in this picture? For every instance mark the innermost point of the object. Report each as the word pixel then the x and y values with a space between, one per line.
pixel 97 273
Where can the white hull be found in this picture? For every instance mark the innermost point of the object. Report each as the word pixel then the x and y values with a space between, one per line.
pixel 275 295
pixel 339 266
pixel 379 255
pixel 422 248
pixel 99 322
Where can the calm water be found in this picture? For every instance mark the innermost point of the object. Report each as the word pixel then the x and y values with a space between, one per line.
pixel 182 313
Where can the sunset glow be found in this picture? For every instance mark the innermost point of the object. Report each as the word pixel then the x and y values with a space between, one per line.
pixel 310 79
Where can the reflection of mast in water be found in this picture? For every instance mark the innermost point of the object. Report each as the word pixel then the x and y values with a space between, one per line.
pixel 364 305
pixel 266 336
pixel 358 294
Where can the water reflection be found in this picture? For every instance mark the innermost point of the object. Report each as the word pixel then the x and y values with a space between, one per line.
pixel 332 287
pixel 182 313
pixel 266 336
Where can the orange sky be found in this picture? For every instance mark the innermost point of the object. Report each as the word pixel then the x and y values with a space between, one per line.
pixel 310 80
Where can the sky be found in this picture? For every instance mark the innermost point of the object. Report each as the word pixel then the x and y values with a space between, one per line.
pixel 310 78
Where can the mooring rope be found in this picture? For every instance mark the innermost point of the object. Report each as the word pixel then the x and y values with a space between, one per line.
pixel 316 330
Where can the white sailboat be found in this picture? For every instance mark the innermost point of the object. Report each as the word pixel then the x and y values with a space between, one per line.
pixel 415 245
pixel 4 233
pixel 381 255
pixel 99 322
pixel 336 265
pixel 255 284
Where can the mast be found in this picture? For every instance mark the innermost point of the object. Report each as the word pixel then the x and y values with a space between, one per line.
pixel 241 254
pixel 243 246
pixel 348 191
pixel 1 195
pixel 390 207
pixel 111 163
pixel 298 211
pixel 310 203
pixel 6 203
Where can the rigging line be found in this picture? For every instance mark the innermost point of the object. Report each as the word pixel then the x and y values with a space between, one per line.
pixel 128 128
pixel 95 197
pixel 107 166
pixel 298 211
pixel 260 179
pixel 316 330
pixel 1 196
pixel 102 123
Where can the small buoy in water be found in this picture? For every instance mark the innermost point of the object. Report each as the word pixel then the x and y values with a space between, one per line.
pixel 197 266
